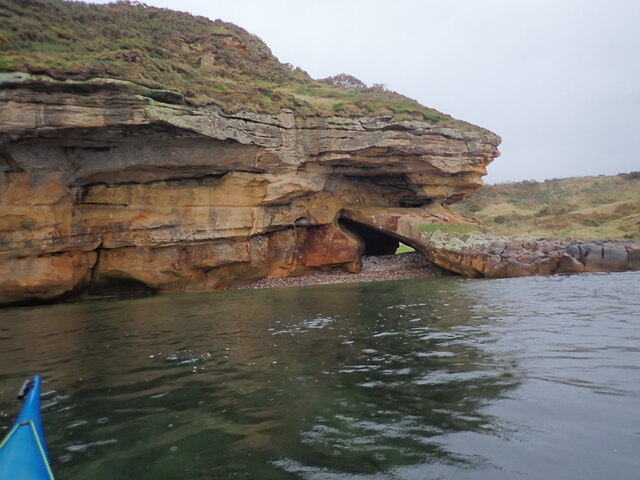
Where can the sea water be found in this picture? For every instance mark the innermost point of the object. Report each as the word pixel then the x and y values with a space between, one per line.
pixel 441 378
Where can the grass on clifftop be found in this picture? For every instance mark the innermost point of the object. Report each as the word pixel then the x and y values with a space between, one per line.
pixel 207 62
pixel 432 228
pixel 588 207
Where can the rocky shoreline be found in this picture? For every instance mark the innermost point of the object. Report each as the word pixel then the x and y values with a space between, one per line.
pixel 374 269
pixel 479 254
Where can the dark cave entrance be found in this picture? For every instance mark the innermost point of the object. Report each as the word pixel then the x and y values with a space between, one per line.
pixel 119 286
pixel 375 241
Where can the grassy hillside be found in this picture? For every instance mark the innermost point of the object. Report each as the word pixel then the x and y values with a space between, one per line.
pixel 588 207
pixel 204 61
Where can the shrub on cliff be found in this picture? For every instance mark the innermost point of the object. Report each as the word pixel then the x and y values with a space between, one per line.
pixel 344 80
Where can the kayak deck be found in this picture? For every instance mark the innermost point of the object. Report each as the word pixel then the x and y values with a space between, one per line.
pixel 23 452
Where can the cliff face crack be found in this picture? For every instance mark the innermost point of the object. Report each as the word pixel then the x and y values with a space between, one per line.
pixel 255 121
pixel 7 163
pixel 397 127
pixel 104 203
pixel 165 181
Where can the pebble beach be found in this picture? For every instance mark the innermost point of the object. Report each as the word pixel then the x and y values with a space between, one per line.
pixel 374 269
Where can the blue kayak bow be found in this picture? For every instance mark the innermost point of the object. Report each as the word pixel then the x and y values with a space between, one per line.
pixel 23 452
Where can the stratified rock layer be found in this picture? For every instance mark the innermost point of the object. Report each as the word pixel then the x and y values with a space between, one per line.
pixel 103 188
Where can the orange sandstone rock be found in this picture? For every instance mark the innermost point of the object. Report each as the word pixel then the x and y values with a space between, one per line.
pixel 101 187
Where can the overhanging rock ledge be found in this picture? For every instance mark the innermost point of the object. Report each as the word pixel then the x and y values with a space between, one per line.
pixel 105 190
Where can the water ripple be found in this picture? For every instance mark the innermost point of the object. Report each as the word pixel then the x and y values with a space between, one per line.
pixel 431 378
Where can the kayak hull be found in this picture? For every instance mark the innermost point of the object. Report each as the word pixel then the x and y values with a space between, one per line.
pixel 23 452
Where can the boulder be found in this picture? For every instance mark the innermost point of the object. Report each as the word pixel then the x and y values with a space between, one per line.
pixel 599 258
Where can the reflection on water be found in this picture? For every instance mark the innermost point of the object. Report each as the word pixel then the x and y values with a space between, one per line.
pixel 430 378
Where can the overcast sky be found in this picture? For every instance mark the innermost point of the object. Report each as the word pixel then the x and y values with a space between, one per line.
pixel 558 80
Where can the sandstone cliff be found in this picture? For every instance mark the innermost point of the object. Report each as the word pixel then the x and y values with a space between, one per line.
pixel 144 150
pixel 105 186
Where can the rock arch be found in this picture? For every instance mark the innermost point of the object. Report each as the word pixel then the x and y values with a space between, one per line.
pixel 379 235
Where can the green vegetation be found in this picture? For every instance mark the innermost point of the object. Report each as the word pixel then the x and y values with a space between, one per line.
pixel 201 61
pixel 402 248
pixel 430 228
pixel 588 207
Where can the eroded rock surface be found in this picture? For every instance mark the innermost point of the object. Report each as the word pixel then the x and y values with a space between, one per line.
pixel 491 256
pixel 104 188
pixel 477 254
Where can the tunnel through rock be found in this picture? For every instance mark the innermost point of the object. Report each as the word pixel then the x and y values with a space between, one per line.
pixel 376 242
